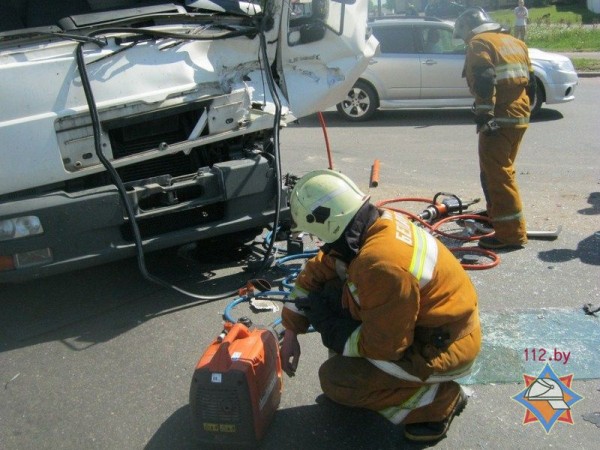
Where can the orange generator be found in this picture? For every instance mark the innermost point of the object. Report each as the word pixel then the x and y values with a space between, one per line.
pixel 236 387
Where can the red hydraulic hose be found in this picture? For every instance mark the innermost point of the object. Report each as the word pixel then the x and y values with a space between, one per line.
pixel 324 128
pixel 434 229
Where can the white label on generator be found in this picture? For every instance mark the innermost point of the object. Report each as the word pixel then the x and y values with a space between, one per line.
pixel 236 355
pixel 216 378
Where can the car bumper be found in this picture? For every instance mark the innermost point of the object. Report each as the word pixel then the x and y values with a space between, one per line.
pixel 561 88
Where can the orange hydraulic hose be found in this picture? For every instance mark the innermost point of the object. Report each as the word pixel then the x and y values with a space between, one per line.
pixel 375 174
pixel 324 128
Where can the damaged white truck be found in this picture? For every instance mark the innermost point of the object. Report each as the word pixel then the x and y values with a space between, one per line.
pixel 128 123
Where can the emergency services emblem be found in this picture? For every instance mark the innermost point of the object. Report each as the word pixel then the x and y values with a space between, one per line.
pixel 548 398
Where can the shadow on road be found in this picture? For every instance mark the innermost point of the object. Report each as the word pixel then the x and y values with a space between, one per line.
pixel 587 251
pixel 399 118
pixel 413 118
pixel 594 200
pixel 323 425
pixel 84 308
pixel 547 115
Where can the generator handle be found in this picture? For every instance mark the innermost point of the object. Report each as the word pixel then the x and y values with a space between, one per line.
pixel 237 331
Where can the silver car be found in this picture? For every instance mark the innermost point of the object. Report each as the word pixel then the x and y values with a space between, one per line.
pixel 420 65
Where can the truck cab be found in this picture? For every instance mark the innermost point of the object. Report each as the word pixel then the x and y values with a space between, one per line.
pixel 128 123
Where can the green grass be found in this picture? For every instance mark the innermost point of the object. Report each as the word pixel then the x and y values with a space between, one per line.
pixel 586 64
pixel 557 14
pixel 563 38
pixel 558 27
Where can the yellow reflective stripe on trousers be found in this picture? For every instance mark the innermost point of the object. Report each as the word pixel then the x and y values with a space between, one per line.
pixel 423 397
pixel 424 256
pixel 508 218
pixel 396 371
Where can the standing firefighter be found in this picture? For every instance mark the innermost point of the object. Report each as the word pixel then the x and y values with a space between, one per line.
pixel 390 301
pixel 500 76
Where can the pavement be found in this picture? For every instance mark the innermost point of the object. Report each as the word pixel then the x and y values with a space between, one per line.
pixel 101 359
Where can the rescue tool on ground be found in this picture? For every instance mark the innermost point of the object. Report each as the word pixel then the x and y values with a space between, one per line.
pixel 451 204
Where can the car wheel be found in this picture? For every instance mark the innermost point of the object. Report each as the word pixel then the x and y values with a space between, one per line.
pixel 536 102
pixel 361 103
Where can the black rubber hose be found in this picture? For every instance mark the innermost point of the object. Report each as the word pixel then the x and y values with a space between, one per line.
pixel 122 190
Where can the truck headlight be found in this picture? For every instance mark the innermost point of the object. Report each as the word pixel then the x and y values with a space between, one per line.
pixel 19 227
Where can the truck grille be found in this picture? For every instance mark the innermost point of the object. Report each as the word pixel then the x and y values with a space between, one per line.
pixel 174 221
pixel 148 131
pixel 174 165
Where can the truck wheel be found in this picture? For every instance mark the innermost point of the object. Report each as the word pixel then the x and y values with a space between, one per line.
pixel 361 103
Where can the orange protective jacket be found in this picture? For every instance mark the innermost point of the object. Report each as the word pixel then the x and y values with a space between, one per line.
pixel 508 59
pixel 403 284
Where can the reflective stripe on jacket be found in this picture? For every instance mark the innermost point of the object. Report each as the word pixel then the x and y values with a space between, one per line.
pixel 401 279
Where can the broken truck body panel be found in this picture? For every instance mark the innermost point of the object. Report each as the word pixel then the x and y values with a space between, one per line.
pixel 186 118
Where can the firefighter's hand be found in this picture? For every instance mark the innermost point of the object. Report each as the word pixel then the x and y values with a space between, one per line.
pixel 490 128
pixel 482 118
pixel 290 353
pixel 486 124
pixel 316 309
pixel 334 325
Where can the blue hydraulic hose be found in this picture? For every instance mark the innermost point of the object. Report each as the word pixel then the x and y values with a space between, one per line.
pixel 288 283
pixel 308 254
pixel 227 314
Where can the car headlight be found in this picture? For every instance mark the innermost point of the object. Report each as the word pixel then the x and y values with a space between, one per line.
pixel 566 66
pixel 19 227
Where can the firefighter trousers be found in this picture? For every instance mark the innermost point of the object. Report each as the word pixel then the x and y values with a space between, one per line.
pixel 358 382
pixel 497 154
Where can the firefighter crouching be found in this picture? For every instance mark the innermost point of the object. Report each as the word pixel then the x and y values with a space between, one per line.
pixel 389 300
pixel 500 76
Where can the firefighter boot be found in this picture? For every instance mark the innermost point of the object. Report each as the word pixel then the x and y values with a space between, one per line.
pixel 434 431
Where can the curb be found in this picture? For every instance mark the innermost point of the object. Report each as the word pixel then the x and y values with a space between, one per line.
pixel 588 74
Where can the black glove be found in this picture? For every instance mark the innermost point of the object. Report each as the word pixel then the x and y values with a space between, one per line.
pixel 486 124
pixel 334 324
pixel 331 295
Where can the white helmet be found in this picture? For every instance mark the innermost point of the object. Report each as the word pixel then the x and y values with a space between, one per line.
pixel 323 203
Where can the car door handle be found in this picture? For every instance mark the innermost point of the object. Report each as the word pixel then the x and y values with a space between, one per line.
pixel 430 62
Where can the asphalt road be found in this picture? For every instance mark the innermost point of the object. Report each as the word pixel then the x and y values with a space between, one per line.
pixel 102 359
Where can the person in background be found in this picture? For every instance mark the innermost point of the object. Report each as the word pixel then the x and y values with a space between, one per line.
pixel 390 301
pixel 432 44
pixel 521 16
pixel 500 77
